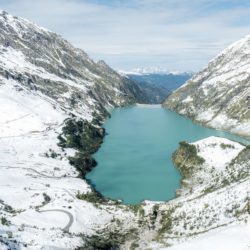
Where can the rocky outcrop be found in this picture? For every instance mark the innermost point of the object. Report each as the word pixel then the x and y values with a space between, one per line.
pixel 186 159
pixel 203 164
pixel 85 139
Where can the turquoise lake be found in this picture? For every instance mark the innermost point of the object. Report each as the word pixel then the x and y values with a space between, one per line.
pixel 134 162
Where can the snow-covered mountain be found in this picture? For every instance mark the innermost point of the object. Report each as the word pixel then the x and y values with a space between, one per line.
pixel 53 98
pixel 44 62
pixel 219 95
pixel 46 87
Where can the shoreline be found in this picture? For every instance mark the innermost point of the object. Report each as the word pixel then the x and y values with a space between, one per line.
pixel 245 137
pixel 93 186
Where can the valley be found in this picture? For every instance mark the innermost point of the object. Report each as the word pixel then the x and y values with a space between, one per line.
pixel 157 85
pixel 55 105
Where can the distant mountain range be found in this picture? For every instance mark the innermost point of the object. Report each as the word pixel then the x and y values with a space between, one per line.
pixel 157 84
pixel 154 70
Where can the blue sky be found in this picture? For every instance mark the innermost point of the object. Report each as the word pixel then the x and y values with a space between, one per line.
pixel 173 34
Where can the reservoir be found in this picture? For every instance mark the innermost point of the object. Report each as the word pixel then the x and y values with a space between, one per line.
pixel 134 162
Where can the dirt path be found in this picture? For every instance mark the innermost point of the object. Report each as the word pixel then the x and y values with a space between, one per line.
pixel 71 218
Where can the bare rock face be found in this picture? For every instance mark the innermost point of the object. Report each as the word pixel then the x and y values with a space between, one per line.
pixel 43 61
pixel 219 95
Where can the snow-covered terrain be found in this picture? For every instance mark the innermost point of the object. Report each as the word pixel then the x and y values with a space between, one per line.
pixel 219 95
pixel 229 238
pixel 37 192
pixel 43 81
pixel 45 204
pixel 214 201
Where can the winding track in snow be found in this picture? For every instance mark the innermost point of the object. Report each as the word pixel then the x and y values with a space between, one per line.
pixel 39 173
pixel 71 218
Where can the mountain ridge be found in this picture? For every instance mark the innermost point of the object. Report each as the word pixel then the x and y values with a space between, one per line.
pixel 218 96
pixel 49 64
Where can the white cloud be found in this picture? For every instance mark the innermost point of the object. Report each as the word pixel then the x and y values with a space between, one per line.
pixel 175 34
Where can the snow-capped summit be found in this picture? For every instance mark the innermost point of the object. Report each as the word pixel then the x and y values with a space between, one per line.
pixel 153 70
pixel 18 23
pixel 219 95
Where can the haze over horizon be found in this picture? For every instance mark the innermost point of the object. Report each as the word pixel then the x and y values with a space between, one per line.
pixel 175 35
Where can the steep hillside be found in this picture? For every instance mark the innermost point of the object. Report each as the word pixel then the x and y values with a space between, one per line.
pixel 45 63
pixel 219 95
pixel 212 208
pixel 53 98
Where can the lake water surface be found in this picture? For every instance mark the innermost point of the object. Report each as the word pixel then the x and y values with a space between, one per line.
pixel 134 162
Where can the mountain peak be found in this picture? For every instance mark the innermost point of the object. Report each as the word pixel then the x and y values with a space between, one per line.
pixel 19 24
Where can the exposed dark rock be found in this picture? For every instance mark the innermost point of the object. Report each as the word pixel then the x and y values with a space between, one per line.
pixel 186 159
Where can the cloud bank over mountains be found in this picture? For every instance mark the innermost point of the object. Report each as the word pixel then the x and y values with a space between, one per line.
pixel 175 34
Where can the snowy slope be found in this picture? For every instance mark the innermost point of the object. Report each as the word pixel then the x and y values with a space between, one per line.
pixel 213 205
pixel 219 95
pixel 37 192
pixel 230 238
pixel 43 81
pixel 28 177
